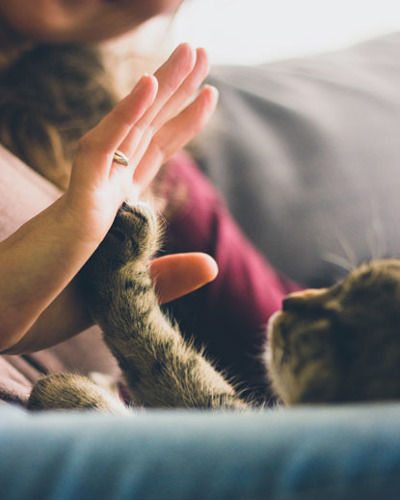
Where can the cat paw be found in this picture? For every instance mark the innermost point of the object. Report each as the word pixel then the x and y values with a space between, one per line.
pixel 133 237
pixel 122 257
pixel 69 391
pixel 134 234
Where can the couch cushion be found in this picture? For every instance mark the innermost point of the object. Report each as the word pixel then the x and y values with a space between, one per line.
pixel 307 154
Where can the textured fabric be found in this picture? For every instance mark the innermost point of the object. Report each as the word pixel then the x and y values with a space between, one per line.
pixel 307 155
pixel 330 453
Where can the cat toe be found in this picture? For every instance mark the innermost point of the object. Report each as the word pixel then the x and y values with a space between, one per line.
pixel 136 230
pixel 69 391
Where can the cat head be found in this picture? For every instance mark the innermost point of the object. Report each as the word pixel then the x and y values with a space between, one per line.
pixel 342 343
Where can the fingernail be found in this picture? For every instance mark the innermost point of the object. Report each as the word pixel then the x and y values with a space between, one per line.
pixel 176 52
pixel 142 82
pixel 213 89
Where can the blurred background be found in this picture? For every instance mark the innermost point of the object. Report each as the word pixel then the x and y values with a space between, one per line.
pixel 255 31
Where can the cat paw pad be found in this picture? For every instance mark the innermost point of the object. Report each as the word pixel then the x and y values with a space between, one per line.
pixel 134 232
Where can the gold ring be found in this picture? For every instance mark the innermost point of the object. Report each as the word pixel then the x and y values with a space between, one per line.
pixel 120 158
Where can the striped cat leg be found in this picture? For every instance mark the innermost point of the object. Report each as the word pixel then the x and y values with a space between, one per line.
pixel 161 369
pixel 69 391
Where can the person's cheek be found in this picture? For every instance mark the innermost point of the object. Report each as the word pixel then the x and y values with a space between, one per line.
pixel 156 7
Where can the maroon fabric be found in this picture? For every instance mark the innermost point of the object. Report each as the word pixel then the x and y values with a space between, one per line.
pixel 229 315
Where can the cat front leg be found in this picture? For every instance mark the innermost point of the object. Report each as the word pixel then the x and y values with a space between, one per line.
pixel 69 391
pixel 161 369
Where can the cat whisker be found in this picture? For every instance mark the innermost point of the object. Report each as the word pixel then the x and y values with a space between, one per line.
pixel 337 260
pixel 348 251
pixel 375 238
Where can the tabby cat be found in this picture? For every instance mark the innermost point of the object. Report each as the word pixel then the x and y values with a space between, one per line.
pixel 338 344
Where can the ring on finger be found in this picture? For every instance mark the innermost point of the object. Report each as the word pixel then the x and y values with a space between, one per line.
pixel 121 158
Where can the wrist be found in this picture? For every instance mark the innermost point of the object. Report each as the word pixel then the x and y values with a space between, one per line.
pixel 37 263
pixel 85 226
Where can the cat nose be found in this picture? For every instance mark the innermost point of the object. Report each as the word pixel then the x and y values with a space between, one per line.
pixel 299 300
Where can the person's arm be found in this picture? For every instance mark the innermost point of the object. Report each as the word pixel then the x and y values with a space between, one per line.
pixel 174 276
pixel 42 257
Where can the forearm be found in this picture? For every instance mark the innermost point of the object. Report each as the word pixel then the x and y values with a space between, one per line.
pixel 65 317
pixel 36 264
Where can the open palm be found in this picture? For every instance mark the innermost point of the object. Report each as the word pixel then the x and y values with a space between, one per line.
pixel 148 126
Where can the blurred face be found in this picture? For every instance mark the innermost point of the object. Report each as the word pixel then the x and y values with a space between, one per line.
pixel 79 20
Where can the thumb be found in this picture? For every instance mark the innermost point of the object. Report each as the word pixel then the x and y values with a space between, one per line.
pixel 179 274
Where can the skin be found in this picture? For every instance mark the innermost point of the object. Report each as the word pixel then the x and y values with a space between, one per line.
pixel 79 21
pixel 38 263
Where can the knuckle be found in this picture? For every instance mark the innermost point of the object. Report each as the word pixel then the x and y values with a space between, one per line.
pixel 89 144
pixel 160 151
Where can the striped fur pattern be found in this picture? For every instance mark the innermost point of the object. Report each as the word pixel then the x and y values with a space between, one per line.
pixel 338 344
pixel 160 368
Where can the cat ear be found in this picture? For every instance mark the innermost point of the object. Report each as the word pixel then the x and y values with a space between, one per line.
pixel 297 301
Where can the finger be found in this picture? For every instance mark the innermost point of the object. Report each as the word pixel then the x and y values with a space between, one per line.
pixel 97 147
pixel 170 77
pixel 179 274
pixel 187 89
pixel 176 134
pixel 113 128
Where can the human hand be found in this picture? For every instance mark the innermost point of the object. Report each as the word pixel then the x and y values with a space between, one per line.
pixel 40 260
pixel 148 126
pixel 173 275
pixel 179 274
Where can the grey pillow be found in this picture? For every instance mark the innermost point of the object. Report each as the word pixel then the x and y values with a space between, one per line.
pixel 307 154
